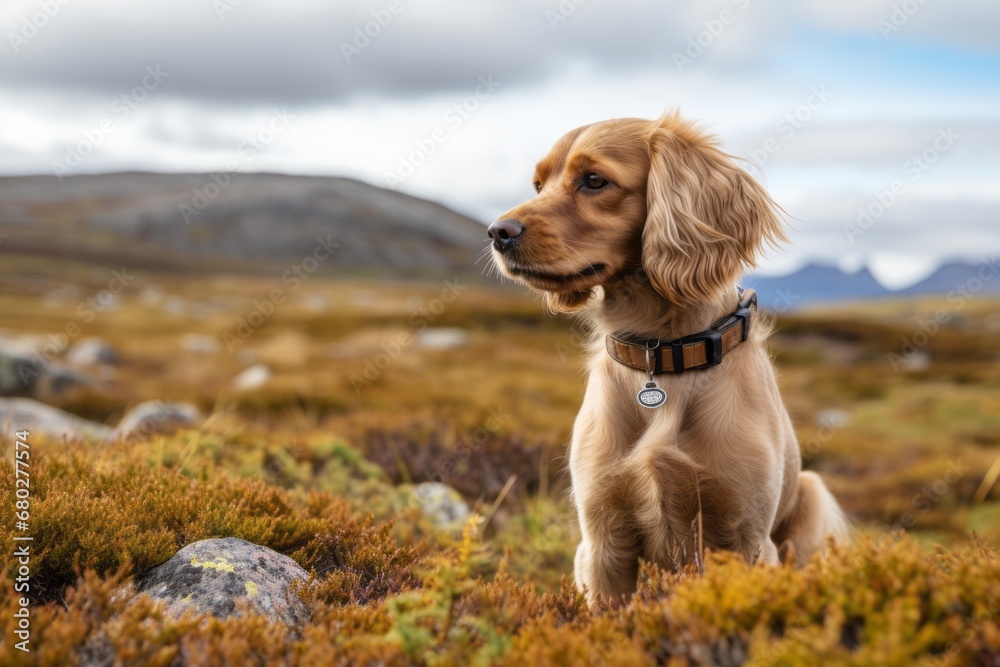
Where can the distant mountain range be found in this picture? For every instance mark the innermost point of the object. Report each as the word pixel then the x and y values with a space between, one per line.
pixel 818 283
pixel 237 223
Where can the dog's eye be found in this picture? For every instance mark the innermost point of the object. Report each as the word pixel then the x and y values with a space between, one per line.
pixel 594 181
pixel 538 186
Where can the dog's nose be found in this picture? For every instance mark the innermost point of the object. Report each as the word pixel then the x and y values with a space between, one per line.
pixel 503 232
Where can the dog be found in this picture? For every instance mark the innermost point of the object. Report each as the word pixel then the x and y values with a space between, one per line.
pixel 644 228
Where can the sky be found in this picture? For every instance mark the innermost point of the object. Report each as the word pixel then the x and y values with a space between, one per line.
pixel 874 123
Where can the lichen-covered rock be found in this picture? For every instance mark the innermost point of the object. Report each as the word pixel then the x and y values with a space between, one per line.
pixel 31 415
pixel 91 351
pixel 212 576
pixel 157 417
pixel 442 505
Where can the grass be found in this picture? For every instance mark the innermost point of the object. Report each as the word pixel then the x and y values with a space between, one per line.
pixel 315 466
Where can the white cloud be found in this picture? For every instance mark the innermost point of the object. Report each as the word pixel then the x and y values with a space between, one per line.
pixel 605 60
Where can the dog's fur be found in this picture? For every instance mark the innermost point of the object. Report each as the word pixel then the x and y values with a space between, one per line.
pixel 657 253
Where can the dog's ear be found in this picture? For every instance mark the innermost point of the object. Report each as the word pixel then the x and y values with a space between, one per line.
pixel 567 302
pixel 707 219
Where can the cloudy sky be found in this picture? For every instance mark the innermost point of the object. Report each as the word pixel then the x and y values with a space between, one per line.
pixel 840 102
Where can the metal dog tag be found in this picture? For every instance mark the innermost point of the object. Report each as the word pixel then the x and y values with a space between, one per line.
pixel 651 396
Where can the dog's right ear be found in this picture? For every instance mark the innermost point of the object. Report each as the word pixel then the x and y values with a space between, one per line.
pixel 707 218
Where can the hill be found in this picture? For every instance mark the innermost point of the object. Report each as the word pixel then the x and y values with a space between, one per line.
pixel 236 222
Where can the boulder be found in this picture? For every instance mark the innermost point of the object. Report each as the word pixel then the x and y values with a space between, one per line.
pixel 157 417
pixel 25 372
pixel 91 351
pixel 254 377
pixel 442 338
pixel 28 414
pixel 215 576
pixel 833 418
pixel 442 505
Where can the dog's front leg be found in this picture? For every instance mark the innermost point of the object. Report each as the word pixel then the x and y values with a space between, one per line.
pixel 607 560
pixel 606 572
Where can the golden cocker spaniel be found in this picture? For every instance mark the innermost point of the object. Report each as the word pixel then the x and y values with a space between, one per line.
pixel 644 228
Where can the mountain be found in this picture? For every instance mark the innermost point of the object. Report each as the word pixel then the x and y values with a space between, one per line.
pixel 954 275
pixel 817 283
pixel 238 222
pixel 814 283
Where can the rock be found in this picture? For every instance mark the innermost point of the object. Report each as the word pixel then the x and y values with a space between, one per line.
pixel 442 505
pixel 316 303
pixel 212 576
pixel 199 343
pixel 28 414
pixel 64 294
pixel 157 417
pixel 442 338
pixel 252 378
pixel 24 371
pixel 833 418
pixel 150 295
pixel 915 361
pixel 174 305
pixel 91 352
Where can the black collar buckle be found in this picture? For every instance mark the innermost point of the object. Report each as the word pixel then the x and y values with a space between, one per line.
pixel 713 348
pixel 748 302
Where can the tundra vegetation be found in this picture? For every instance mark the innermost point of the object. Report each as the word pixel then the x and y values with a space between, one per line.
pixel 320 468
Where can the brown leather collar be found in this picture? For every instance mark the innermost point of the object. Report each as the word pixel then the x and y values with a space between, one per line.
pixel 695 352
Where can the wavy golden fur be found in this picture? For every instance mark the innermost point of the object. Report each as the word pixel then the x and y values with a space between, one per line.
pixel 644 228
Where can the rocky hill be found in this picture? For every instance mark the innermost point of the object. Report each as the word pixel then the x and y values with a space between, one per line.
pixel 238 222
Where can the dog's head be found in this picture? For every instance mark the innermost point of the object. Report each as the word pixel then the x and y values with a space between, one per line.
pixel 629 197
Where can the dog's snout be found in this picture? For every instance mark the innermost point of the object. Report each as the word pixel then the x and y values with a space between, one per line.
pixel 504 232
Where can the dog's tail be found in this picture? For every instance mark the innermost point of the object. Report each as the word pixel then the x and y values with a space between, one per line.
pixel 816 518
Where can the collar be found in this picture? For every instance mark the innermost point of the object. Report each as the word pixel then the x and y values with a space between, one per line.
pixel 694 352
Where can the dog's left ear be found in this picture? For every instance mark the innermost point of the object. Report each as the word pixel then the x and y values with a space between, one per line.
pixel 707 219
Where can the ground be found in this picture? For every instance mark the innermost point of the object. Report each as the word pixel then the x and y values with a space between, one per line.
pixel 314 465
